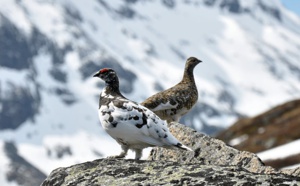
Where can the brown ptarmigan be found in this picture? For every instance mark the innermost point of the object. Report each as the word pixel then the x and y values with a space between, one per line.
pixel 176 101
pixel 132 125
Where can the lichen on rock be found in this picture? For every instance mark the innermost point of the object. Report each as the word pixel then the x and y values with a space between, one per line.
pixel 212 163
pixel 210 151
pixel 132 172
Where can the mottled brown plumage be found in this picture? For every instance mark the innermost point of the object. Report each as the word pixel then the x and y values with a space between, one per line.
pixel 176 101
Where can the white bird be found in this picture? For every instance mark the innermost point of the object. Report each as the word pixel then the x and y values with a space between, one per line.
pixel 132 125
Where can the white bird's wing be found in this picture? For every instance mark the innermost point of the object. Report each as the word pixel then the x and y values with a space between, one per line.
pixel 136 123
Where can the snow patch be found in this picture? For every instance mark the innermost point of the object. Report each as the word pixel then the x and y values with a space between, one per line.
pixel 15 13
pixel 238 140
pixel 282 151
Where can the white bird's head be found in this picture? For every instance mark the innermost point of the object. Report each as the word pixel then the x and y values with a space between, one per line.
pixel 108 75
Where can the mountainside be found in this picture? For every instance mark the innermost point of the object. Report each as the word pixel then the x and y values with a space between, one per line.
pixel 49 51
pixel 274 129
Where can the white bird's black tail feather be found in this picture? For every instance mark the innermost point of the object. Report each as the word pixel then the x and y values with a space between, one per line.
pixel 181 146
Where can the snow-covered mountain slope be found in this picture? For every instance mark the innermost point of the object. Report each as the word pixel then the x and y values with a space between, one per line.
pixel 50 49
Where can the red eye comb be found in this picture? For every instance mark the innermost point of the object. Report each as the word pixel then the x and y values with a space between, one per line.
pixel 104 70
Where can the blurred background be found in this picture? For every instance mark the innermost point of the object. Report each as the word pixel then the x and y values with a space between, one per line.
pixel 248 83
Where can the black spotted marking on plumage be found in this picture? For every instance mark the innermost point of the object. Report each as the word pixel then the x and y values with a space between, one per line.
pixel 123 119
pixel 135 117
pixel 139 125
pixel 105 112
pixel 178 145
pixel 155 119
pixel 120 104
pixel 104 101
pixel 114 124
pixel 173 112
pixel 173 102
pixel 110 118
pixel 144 121
pixel 139 109
pixel 121 141
pixel 158 134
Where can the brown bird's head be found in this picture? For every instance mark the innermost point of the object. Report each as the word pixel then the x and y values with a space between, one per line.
pixel 191 62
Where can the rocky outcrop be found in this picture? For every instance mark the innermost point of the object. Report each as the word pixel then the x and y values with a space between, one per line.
pixel 209 151
pixel 131 172
pixel 212 163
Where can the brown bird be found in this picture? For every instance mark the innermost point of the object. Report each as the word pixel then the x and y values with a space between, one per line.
pixel 173 103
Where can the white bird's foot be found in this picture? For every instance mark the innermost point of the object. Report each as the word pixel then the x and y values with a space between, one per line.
pixel 138 153
pixel 121 156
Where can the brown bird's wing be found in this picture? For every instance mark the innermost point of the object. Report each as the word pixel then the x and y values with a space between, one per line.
pixel 168 99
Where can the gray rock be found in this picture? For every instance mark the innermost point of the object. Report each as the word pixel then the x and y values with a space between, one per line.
pixel 208 150
pixel 211 151
pixel 132 172
pixel 293 172
pixel 212 163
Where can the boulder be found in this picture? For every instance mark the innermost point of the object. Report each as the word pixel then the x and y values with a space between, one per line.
pixel 132 172
pixel 212 163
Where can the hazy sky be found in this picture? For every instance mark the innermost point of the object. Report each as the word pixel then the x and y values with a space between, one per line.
pixel 293 5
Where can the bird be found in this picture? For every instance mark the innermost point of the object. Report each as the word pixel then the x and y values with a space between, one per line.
pixel 132 125
pixel 173 103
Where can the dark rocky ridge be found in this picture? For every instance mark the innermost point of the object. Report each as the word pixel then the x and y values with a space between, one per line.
pixel 235 7
pixel 212 163
pixel 270 124
pixel 270 129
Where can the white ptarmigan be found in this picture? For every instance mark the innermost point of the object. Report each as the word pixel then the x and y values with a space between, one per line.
pixel 132 125
pixel 173 103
